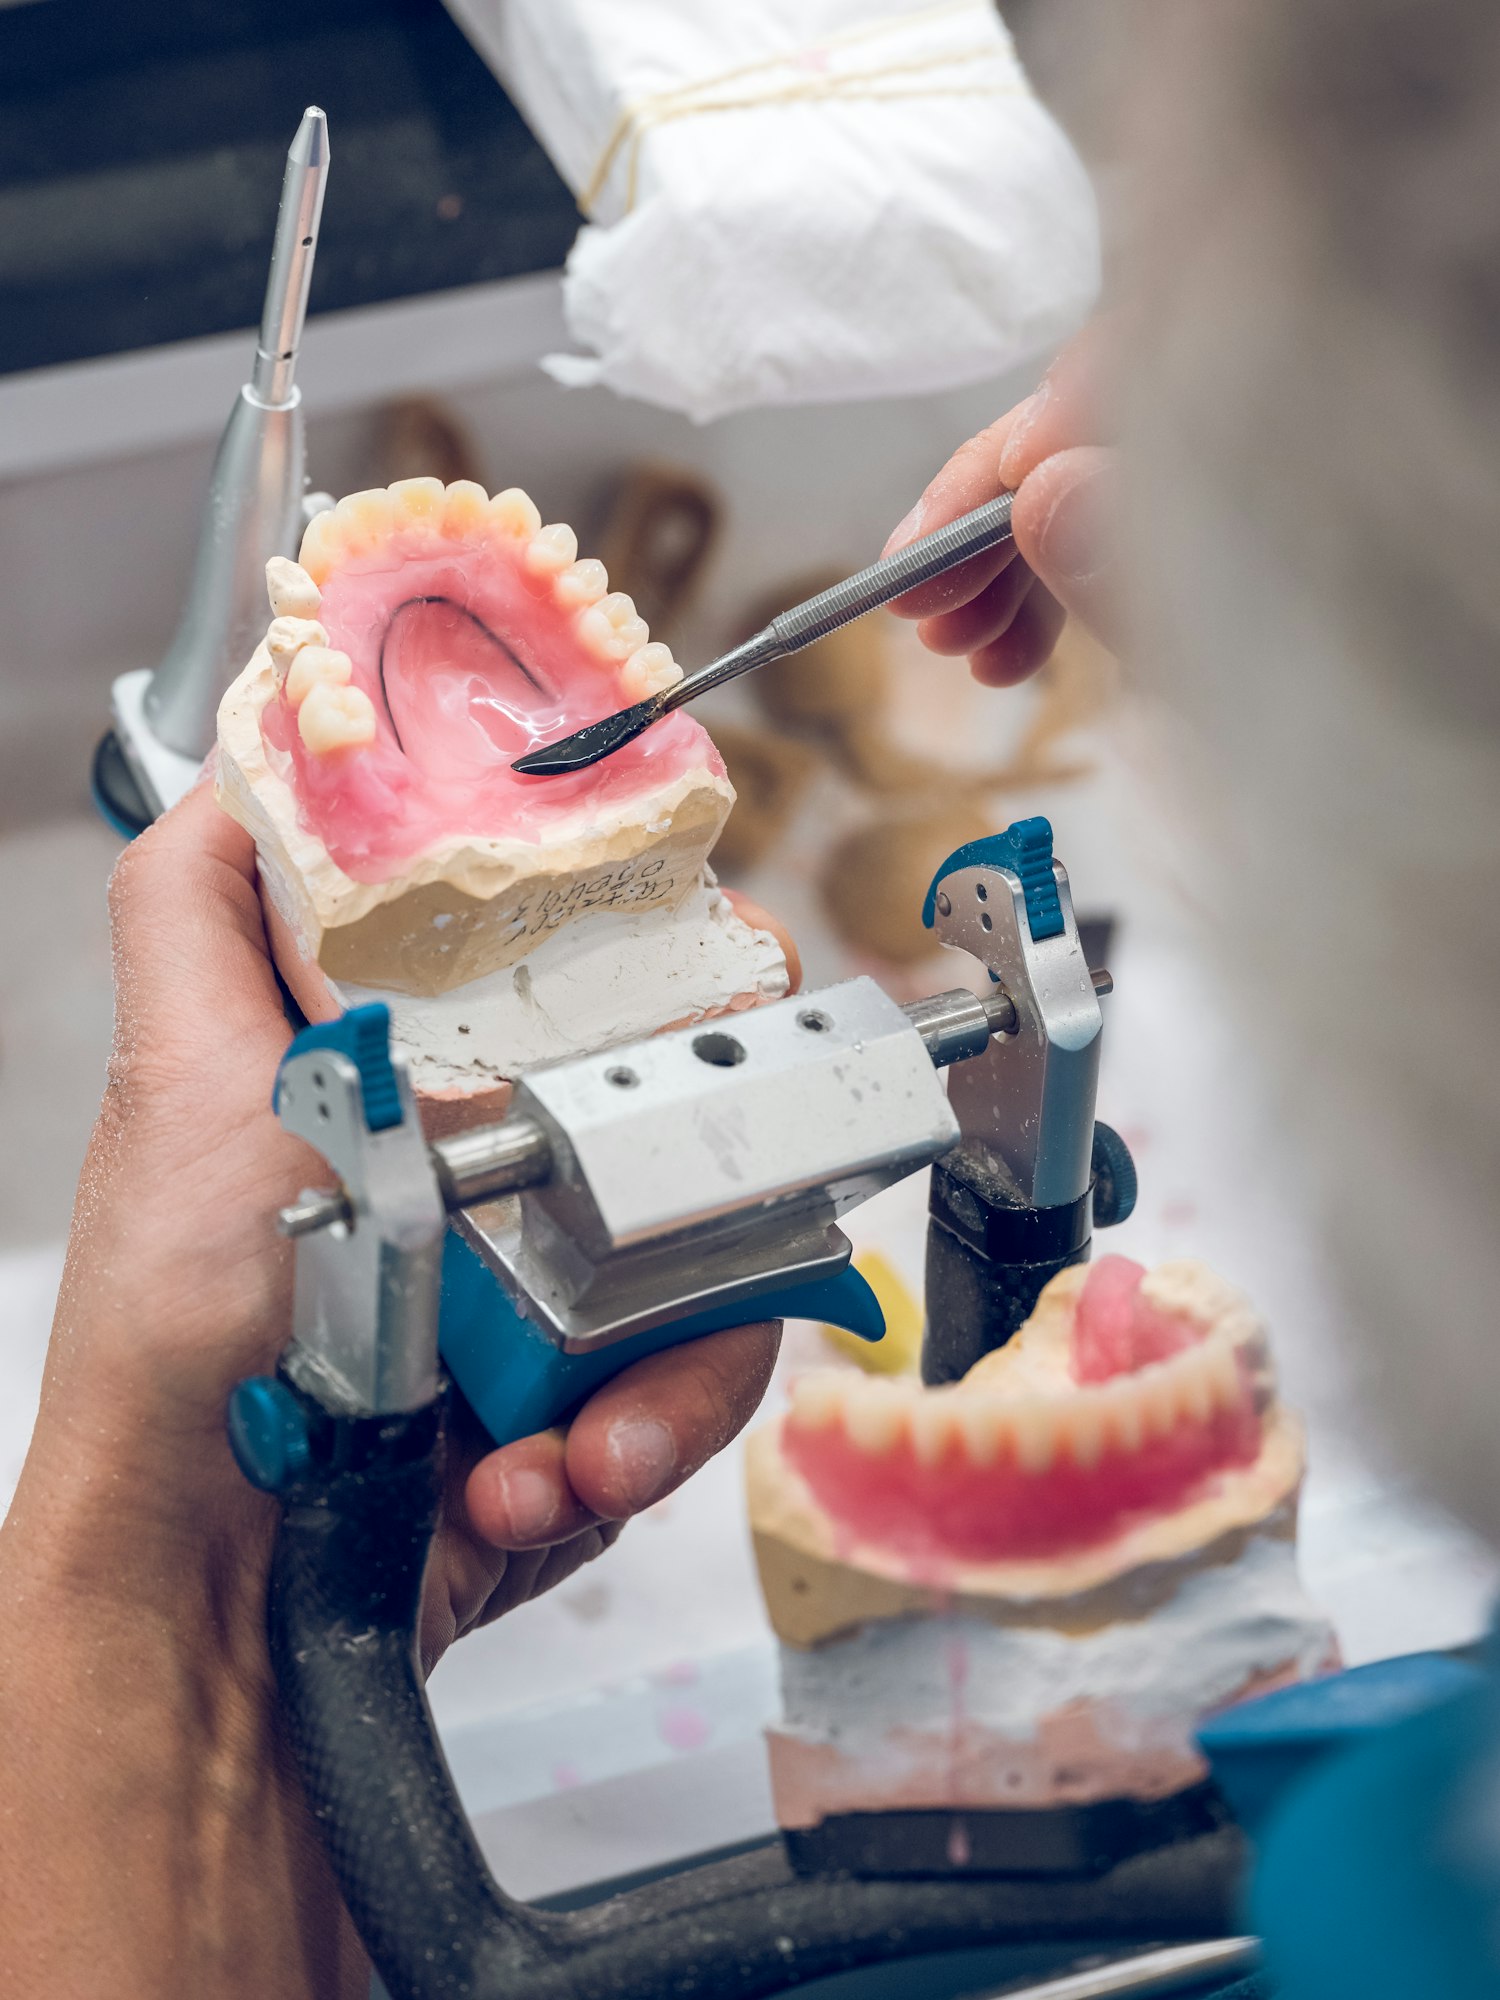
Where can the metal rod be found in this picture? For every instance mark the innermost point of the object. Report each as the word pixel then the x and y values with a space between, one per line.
pixel 297 221
pixel 1168 1970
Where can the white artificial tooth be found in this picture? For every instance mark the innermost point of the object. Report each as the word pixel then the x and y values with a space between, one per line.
pixel 285 637
pixel 619 608
pixel 874 1415
pixel 466 508
pixel 599 637
pixel 981 1425
pixel 1195 1388
pixel 648 670
pixel 1034 1426
pixel 514 513
pixel 418 500
pixel 316 666
pixel 931 1426
pixel 1083 1417
pixel 1125 1418
pixel 816 1399
pixel 319 546
pixel 336 718
pixel 364 519
pixel 1158 1398
pixel 292 592
pixel 551 550
pixel 582 583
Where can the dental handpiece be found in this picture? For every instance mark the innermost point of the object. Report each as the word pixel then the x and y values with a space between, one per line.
pixel 254 508
pixel 891 577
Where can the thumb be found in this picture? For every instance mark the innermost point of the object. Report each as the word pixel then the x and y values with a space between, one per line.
pixel 1065 524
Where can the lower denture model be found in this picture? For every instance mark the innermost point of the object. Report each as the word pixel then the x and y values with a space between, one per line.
pixel 1026 1590
pixel 426 638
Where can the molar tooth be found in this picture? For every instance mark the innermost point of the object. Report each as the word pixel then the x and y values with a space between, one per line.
pixel 1035 1429
pixel 1195 1388
pixel 465 508
pixel 816 1399
pixel 514 513
pixel 316 666
pixel 582 583
pixel 418 500
pixel 931 1426
pixel 648 670
pixel 292 592
pixel 319 546
pixel 286 636
pixel 551 550
pixel 336 718
pixel 1223 1371
pixel 599 636
pixel 1158 1394
pixel 873 1414
pixel 619 608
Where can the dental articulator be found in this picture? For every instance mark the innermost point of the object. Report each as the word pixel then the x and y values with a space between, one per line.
pixel 596 1204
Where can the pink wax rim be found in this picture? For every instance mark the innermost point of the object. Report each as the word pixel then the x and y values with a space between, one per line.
pixel 955 1510
pixel 469 662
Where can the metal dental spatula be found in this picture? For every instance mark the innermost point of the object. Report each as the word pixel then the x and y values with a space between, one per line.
pixel 919 562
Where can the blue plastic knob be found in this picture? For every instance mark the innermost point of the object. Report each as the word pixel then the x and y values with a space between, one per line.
pixel 268 1433
pixel 1115 1184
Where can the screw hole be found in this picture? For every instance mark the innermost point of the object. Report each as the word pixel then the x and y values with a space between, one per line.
pixel 814 1020
pixel 621 1077
pixel 981 892
pixel 324 1113
pixel 723 1051
pixel 945 908
pixel 319 1081
pixel 986 920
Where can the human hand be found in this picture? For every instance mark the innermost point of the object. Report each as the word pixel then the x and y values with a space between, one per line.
pixel 1005 609
pixel 133 1563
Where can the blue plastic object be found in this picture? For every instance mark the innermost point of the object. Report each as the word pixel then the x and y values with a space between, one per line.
pixel 364 1035
pixel 267 1432
pixel 1379 1875
pixel 518 1382
pixel 1025 848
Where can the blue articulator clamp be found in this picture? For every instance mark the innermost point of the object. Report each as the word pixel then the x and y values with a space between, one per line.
pixel 518 1381
pixel 363 1034
pixel 1025 848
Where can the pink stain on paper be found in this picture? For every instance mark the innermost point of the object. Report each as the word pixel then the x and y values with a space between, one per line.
pixel 683 1727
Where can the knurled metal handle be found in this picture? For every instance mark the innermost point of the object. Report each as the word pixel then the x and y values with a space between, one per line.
pixel 918 563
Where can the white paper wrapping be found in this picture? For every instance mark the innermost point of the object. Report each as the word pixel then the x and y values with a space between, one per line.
pixel 797 200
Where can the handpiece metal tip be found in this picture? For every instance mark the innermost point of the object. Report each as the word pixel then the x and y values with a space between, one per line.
pixel 310 146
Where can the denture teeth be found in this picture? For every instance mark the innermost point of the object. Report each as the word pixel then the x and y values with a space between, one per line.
pixel 1124 1417
pixel 600 636
pixel 364 521
pixel 873 1414
pixel 418 500
pixel 816 1399
pixel 292 592
pixel 285 637
pixel 1223 1370
pixel 551 550
pixel 582 583
pixel 648 670
pixel 515 513
pixel 336 718
pixel 1083 1421
pixel 1159 1401
pixel 466 505
pixel 316 666
pixel 981 1425
pixel 1195 1387
pixel 1035 1431
pixel 931 1427
pixel 318 546
pixel 619 608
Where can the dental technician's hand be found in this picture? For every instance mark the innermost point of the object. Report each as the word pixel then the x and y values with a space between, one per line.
pixel 153 1837
pixel 1006 608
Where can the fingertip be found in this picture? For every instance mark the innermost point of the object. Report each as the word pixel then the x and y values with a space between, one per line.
pixel 520 1497
pixel 1025 646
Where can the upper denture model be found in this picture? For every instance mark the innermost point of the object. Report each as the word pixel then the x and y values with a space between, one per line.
pixel 426 638
pixel 1025 1590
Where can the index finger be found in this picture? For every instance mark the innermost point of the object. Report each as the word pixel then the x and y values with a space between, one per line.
pixel 968 480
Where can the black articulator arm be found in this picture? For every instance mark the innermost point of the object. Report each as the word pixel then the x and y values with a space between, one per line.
pixel 357 1524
